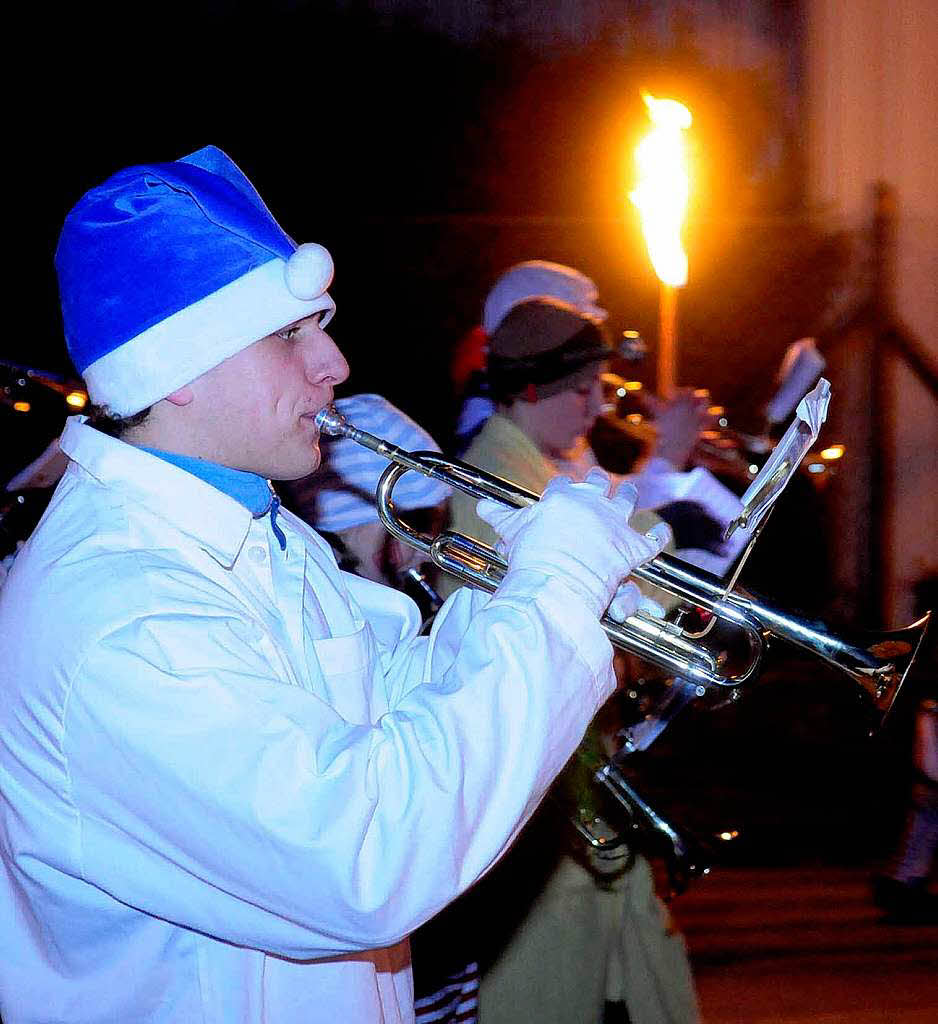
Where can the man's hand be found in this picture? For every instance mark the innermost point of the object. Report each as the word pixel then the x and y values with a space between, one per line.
pixel 580 534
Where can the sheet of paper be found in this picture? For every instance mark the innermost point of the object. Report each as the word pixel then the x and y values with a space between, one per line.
pixel 800 368
pixel 780 466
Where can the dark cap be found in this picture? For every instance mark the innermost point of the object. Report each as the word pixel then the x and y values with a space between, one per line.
pixel 546 346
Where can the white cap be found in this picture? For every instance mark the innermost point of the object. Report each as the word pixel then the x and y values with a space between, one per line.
pixel 536 279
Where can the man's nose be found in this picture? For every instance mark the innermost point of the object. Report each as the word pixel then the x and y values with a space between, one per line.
pixel 325 364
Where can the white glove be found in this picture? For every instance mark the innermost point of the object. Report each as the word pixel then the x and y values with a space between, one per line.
pixel 629 600
pixel 580 535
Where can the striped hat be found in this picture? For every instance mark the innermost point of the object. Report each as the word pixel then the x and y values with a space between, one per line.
pixel 341 493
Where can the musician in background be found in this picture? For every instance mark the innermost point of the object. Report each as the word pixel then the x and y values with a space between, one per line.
pixel 902 890
pixel 566 933
pixel 678 422
pixel 234 777
pixel 697 508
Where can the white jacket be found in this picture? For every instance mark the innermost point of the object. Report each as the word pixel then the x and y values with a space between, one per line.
pixel 233 778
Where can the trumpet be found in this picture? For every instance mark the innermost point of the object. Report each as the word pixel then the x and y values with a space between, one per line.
pixel 877 662
pixel 685 856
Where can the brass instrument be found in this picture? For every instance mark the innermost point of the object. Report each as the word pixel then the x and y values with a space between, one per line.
pixel 685 856
pixel 878 662
pixel 720 448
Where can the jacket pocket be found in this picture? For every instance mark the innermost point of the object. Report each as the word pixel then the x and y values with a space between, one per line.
pixel 347 670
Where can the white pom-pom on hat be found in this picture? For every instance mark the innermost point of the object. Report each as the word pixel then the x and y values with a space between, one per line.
pixel 309 271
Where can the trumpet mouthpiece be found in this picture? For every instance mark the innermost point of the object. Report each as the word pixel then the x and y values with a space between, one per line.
pixel 331 422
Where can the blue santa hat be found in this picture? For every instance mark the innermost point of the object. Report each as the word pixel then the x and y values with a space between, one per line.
pixel 166 270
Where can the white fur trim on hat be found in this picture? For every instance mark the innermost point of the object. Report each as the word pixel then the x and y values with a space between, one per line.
pixel 187 344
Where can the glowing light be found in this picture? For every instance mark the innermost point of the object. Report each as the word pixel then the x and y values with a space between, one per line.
pixel 729 836
pixel 22 406
pixel 753 469
pixel 77 399
pixel 836 451
pixel 633 385
pixel 632 346
pixel 816 467
pixel 663 187
pixel 634 417
pixel 715 410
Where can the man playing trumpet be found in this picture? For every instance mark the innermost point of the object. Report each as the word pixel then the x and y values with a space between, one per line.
pixel 235 778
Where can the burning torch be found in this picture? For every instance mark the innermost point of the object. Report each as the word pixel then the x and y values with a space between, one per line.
pixel 661 196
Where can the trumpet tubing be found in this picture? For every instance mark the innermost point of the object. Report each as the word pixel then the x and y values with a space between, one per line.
pixel 685 857
pixel 878 662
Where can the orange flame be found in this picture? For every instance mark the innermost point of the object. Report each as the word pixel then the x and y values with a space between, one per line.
pixel 663 187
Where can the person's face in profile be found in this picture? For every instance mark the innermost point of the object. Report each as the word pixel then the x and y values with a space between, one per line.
pixel 256 410
pixel 560 420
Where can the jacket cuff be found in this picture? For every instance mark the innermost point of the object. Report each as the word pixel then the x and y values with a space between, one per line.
pixel 567 614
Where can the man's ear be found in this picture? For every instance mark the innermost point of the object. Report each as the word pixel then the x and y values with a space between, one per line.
pixel 182 396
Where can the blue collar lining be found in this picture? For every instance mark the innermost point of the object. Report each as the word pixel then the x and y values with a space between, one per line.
pixel 248 489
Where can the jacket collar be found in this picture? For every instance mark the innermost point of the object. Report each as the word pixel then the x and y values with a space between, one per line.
pixel 215 521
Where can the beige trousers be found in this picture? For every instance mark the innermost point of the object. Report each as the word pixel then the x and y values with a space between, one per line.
pixel 580 945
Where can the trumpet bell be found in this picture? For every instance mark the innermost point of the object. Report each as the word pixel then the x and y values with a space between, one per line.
pixel 878 662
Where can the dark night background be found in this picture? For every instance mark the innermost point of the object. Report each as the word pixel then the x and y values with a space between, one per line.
pixel 427 163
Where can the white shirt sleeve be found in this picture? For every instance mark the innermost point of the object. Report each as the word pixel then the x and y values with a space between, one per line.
pixel 212 792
